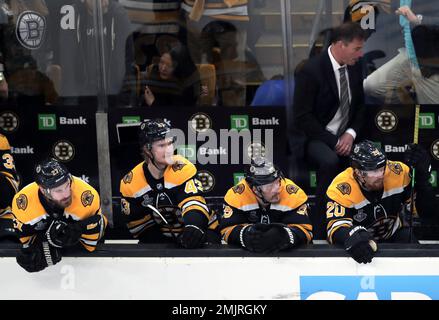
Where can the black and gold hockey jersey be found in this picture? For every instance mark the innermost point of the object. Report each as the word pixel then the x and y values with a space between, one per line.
pixel 176 195
pixel 9 181
pixel 349 205
pixel 33 213
pixel 241 208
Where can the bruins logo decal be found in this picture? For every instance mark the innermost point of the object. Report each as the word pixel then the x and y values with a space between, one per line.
pixel 292 189
pixel 228 211
pixel 22 202
pixel 128 177
pixel 239 189
pixel 87 198
pixel 178 166
pixel 344 188
pixel 395 167
pixel 303 210
pixel 125 206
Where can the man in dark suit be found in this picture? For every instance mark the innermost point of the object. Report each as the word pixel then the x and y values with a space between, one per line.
pixel 328 108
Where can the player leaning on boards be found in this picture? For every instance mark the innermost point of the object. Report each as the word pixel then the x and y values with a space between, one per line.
pixel 365 202
pixel 55 212
pixel 161 197
pixel 265 212
pixel 9 184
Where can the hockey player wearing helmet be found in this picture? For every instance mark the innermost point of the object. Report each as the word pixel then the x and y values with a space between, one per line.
pixel 364 203
pixel 265 212
pixel 161 196
pixel 55 212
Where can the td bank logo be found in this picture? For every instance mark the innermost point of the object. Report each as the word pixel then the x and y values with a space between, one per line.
pixel 237 177
pixel 188 151
pixel 239 122
pixel 130 119
pixel 426 121
pixel 47 121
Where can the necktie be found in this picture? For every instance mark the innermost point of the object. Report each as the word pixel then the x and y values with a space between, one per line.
pixel 344 100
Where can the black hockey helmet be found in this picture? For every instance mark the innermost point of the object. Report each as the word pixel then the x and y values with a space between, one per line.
pixel 261 172
pixel 50 173
pixel 153 130
pixel 366 156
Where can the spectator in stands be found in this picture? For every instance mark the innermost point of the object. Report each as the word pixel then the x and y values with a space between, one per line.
pixel 161 196
pixel 76 63
pixel 25 52
pixel 364 203
pixel 9 183
pixel 174 81
pixel 415 67
pixel 328 108
pixel 272 92
pixel 55 212
pixel 265 212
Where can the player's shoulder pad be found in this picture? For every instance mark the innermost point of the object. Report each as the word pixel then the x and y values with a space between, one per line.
pixel 178 173
pixel 85 200
pixel 397 175
pixel 26 205
pixel 241 197
pixel 134 182
pixel 345 190
pixel 4 143
pixel 291 195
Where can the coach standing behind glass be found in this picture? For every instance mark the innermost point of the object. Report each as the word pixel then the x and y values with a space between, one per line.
pixel 329 107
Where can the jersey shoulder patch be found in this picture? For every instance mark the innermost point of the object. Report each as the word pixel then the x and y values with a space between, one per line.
pixel 396 176
pixel 291 196
pixel 178 173
pixel 133 182
pixel 85 200
pixel 345 190
pixel 26 205
pixel 241 197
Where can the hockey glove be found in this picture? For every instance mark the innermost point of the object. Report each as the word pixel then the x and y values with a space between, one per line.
pixel 38 256
pixel 417 157
pixel 276 238
pixel 250 236
pixel 61 234
pixel 192 237
pixel 360 245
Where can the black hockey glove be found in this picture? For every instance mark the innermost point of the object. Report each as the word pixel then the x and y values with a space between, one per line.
pixel 38 256
pixel 417 157
pixel 360 245
pixel 61 234
pixel 192 237
pixel 268 238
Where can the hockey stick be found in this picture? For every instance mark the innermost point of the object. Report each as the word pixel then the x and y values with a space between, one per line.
pixel 156 211
pixel 412 191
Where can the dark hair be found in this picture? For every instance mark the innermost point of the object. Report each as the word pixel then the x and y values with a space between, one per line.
pixel 347 32
pixel 184 66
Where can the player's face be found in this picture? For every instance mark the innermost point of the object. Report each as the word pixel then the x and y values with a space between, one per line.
pixel 163 151
pixel 374 179
pixel 62 195
pixel 352 51
pixel 271 191
pixel 166 67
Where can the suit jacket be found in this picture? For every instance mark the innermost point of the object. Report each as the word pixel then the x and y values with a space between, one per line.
pixel 316 99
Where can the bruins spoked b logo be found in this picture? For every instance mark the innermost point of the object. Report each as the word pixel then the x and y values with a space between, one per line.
pixel 30 29
pixel 8 121
pixel 386 121
pixel 435 149
pixel 200 122
pixel 207 180
pixel 63 150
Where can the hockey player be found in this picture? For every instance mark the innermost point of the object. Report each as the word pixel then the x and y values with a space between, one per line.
pixel 364 202
pixel 265 212
pixel 9 184
pixel 161 196
pixel 56 211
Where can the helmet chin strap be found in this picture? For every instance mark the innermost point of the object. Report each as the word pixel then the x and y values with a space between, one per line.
pixel 258 193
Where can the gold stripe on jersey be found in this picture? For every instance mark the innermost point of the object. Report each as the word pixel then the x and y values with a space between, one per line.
pixel 225 233
pixel 194 203
pixel 305 228
pixel 138 226
pixel 241 197
pixel 345 190
pixel 134 184
pixel 4 143
pixel 178 173
pixel 334 225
